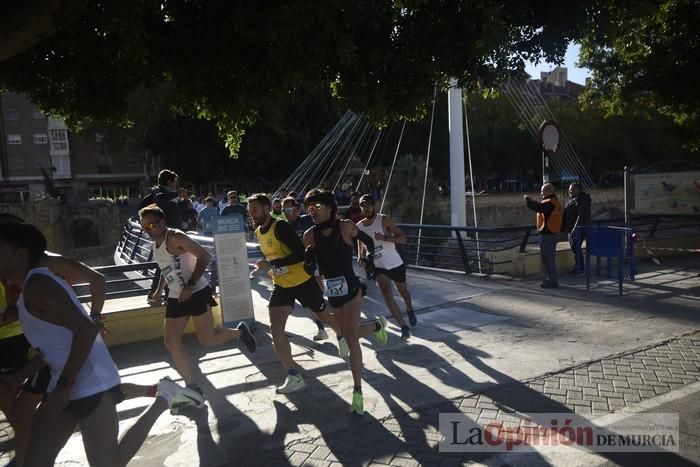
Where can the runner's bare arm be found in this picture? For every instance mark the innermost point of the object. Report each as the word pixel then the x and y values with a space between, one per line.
pixel 45 299
pixel 393 233
pixel 78 272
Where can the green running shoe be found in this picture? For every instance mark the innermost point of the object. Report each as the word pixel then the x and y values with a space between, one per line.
pixel 358 406
pixel 380 334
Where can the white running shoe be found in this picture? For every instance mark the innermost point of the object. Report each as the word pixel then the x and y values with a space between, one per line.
pixel 291 384
pixel 321 335
pixel 343 349
pixel 178 396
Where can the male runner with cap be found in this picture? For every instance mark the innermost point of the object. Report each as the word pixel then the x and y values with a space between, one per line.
pixel 330 243
pixel 84 386
pixel 284 257
pixel 182 262
pixel 388 264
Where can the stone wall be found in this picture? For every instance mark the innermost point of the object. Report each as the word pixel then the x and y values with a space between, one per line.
pixel 508 209
pixel 81 229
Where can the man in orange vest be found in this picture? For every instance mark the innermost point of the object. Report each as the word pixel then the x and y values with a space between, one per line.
pixel 549 224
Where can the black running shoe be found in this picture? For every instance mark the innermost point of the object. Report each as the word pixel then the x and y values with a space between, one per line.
pixel 247 337
pixel 412 318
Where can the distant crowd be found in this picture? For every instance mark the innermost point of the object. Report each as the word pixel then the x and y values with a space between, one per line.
pixel 192 213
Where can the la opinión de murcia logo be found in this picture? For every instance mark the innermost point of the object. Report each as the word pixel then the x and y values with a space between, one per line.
pixel 648 432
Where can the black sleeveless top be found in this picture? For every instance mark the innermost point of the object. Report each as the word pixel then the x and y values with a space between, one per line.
pixel 334 255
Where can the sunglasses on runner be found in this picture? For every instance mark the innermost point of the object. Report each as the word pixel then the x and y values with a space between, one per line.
pixel 288 209
pixel 316 206
pixel 150 225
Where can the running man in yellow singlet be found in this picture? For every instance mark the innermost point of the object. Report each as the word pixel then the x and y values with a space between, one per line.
pixel 284 256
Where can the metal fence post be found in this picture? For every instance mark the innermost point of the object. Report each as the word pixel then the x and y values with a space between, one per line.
pixel 465 258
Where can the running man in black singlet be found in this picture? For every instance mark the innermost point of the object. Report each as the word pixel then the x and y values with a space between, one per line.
pixel 284 259
pixel 330 243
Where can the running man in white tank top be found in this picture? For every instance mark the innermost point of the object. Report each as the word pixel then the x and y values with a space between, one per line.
pixel 182 262
pixel 388 264
pixel 84 387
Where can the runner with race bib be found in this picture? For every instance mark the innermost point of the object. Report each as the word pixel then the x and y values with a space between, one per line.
pixel 329 242
pixel 389 266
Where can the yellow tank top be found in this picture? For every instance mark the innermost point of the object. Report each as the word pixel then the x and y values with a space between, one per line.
pixel 272 248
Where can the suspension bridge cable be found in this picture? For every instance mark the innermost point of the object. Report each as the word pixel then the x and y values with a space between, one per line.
pixel 329 154
pixel 338 156
pixel 427 167
pixel 391 172
pixel 369 158
pixel 353 152
pixel 311 160
pixel 291 181
pixel 586 179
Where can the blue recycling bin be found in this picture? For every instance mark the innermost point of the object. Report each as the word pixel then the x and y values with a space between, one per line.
pixel 612 243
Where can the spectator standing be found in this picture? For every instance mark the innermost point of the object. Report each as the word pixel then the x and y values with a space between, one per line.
pixel 549 223
pixel 207 217
pixel 234 205
pixel 354 212
pixel 577 213
pixel 165 196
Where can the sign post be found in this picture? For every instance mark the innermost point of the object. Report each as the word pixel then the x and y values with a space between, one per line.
pixel 232 266
pixel 549 137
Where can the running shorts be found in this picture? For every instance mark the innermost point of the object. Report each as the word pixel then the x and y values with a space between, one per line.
pixel 197 305
pixel 308 293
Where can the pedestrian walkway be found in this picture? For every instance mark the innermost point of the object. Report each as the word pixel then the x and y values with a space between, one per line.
pixel 591 390
pixel 486 347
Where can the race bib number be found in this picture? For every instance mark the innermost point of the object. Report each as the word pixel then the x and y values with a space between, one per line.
pixel 280 271
pixel 169 275
pixel 336 287
pixel 378 251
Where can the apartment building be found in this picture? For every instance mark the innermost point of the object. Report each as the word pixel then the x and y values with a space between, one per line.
pixel 37 149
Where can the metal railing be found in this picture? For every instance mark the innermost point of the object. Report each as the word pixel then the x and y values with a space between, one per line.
pixel 458 249
pixel 455 249
pixel 471 249
pixel 134 267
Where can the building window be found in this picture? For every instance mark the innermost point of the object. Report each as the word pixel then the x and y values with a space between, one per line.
pixel 40 138
pixel 38 115
pixel 59 140
pixel 12 115
pixel 14 139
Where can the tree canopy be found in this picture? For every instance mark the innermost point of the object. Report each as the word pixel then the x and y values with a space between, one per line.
pixel 233 62
pixel 645 55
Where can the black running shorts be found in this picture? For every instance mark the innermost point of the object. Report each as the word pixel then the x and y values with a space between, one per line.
pixel 339 302
pixel 397 274
pixel 81 408
pixel 309 294
pixel 197 305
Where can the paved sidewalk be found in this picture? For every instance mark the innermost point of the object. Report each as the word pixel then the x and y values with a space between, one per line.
pixel 590 390
pixel 486 347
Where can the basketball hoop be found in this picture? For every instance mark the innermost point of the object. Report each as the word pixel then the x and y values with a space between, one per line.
pixel 549 136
